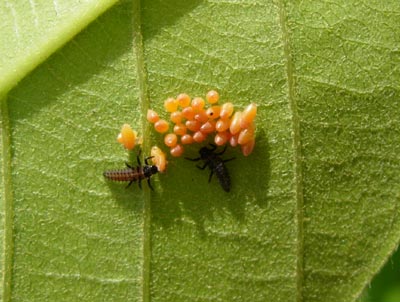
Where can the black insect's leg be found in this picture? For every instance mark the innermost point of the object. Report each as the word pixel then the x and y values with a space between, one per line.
pixel 226 160
pixel 140 183
pixel 128 165
pixel 222 152
pixel 138 157
pixel 129 184
pixel 202 168
pixel 147 158
pixel 211 174
pixel 193 159
pixel 149 183
pixel 213 147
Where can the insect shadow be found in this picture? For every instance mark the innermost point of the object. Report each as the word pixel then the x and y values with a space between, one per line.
pixel 186 197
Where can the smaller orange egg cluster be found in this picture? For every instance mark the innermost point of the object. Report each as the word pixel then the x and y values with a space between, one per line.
pixel 128 138
pixel 194 122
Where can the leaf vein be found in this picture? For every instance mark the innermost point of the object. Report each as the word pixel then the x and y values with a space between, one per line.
pixel 144 106
pixel 297 149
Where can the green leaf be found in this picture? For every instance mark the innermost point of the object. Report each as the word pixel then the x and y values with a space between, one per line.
pixel 32 31
pixel 313 212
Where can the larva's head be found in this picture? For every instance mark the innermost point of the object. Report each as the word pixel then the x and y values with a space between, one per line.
pixel 205 153
pixel 150 170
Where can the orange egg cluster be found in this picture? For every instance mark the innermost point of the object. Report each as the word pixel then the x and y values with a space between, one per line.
pixel 193 122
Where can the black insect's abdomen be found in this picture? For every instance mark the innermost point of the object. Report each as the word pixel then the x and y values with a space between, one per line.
pixel 124 174
pixel 223 176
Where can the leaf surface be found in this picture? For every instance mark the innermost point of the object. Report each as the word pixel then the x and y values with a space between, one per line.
pixel 313 212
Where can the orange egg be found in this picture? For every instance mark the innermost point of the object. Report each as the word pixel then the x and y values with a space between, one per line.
pixel 248 115
pixel 212 96
pixel 180 129
pixel 183 100
pixel 234 140
pixel 193 125
pixel 199 137
pixel 226 110
pixel 170 105
pixel 177 150
pixel 198 103
pixel 158 158
pixel 221 138
pixel 208 127
pixel 176 117
pixel 186 139
pixel 235 123
pixel 201 116
pixel 222 125
pixel 152 116
pixel 188 113
pixel 245 136
pixel 213 112
pixel 248 147
pixel 171 139
pixel 161 126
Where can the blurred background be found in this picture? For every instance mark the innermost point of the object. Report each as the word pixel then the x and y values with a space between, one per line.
pixel 385 286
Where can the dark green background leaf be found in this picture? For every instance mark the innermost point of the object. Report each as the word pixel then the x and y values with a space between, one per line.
pixel 313 211
pixel 31 32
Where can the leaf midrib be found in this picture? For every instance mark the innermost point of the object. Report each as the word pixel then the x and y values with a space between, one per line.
pixel 298 178
pixel 144 104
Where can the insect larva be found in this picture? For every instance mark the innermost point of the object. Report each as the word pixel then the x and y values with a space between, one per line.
pixel 132 174
pixel 216 164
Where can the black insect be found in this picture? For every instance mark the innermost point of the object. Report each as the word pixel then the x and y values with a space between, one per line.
pixel 216 164
pixel 132 174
